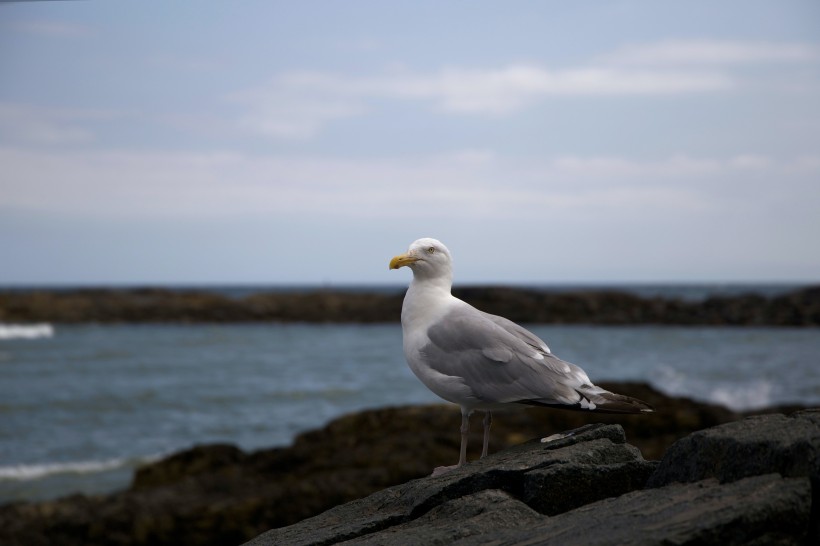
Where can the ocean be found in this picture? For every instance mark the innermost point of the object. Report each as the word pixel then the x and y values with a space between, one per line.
pixel 81 406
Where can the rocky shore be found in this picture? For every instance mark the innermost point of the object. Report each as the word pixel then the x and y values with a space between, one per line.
pixel 747 482
pixel 600 485
pixel 798 308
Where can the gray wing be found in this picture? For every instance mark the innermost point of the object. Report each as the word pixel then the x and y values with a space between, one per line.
pixel 500 361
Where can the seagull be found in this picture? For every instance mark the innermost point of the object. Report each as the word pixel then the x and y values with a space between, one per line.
pixel 481 361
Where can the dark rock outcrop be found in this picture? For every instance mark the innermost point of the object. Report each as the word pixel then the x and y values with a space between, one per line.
pixel 789 446
pixel 201 460
pixel 761 488
pixel 551 477
pixel 462 518
pixel 221 495
pixel 762 510
pixel 798 308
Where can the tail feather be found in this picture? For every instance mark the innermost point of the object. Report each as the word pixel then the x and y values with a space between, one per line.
pixel 618 403
pixel 599 401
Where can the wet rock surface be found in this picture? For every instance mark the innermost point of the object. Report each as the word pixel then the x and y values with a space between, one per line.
pixel 524 472
pixel 761 510
pixel 763 492
pixel 219 494
pixel 787 445
pixel 798 308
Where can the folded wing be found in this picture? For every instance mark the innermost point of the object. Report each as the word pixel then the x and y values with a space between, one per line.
pixel 501 363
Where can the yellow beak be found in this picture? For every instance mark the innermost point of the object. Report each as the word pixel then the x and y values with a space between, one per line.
pixel 401 260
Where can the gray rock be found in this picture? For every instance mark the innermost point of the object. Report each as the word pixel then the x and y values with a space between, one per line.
pixel 753 446
pixel 469 517
pixel 532 493
pixel 756 445
pixel 216 495
pixel 752 482
pixel 555 477
pixel 759 510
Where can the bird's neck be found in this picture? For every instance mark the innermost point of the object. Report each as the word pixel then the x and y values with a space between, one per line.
pixel 425 297
pixel 434 286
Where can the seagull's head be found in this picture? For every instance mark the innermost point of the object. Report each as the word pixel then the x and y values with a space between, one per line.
pixel 427 258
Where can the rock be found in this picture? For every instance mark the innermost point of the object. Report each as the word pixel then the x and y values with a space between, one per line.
pixel 582 490
pixel 467 517
pixel 789 446
pixel 221 495
pixel 199 460
pixel 756 445
pixel 798 308
pixel 762 472
pixel 761 510
pixel 591 463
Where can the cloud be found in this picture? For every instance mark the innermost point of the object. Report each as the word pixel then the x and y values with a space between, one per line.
pixel 292 113
pixel 678 166
pixel 712 52
pixel 299 104
pixel 805 164
pixel 53 29
pixel 513 87
pixel 468 184
pixel 22 123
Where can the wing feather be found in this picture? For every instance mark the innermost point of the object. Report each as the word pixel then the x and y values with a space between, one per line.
pixel 500 361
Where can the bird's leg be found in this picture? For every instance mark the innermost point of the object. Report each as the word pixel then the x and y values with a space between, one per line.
pixel 465 431
pixel 488 420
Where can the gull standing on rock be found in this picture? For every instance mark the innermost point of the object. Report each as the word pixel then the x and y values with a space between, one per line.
pixel 482 361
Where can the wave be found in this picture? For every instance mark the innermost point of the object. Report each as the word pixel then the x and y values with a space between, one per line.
pixel 740 396
pixel 748 396
pixel 23 472
pixel 26 331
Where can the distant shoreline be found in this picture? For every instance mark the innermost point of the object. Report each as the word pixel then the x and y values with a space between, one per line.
pixel 798 307
pixel 701 289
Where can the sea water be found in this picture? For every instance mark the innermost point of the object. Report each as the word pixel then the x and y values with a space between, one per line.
pixel 82 406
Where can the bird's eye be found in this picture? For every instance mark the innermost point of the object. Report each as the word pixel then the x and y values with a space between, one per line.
pixel 431 250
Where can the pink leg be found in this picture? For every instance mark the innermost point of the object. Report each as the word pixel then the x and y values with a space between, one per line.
pixel 465 431
pixel 488 420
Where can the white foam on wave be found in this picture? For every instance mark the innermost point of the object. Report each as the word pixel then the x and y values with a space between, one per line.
pixel 669 380
pixel 26 331
pixel 748 396
pixel 742 396
pixel 22 472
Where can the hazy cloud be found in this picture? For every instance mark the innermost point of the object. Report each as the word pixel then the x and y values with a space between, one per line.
pixel 706 52
pixel 470 183
pixel 56 29
pixel 293 115
pixel 298 104
pixel 27 124
pixel 503 90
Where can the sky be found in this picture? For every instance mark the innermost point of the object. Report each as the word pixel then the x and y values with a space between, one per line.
pixel 261 142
